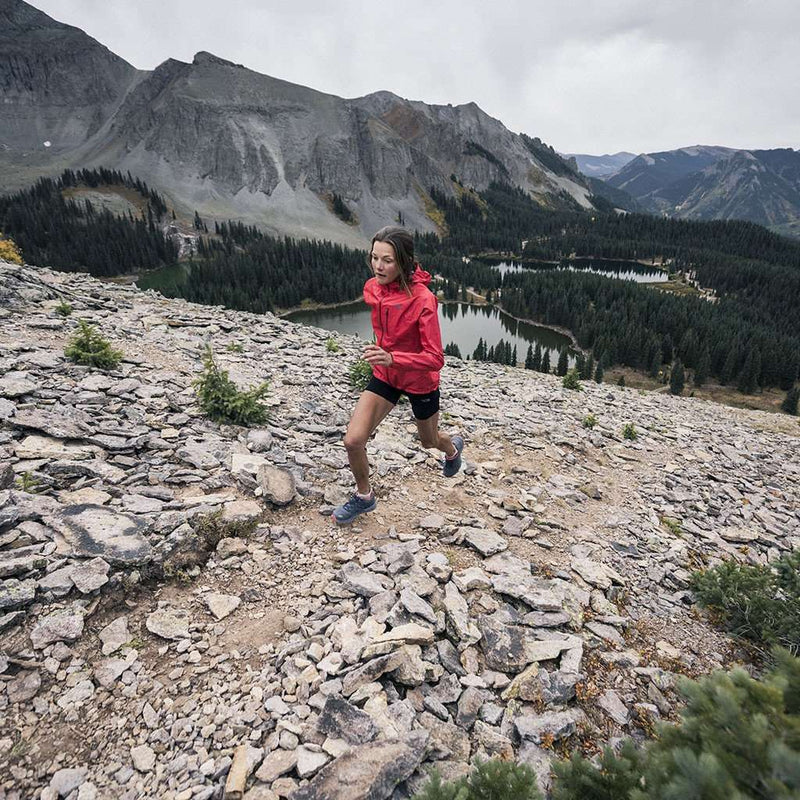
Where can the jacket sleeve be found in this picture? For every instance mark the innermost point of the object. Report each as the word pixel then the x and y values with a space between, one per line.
pixel 431 357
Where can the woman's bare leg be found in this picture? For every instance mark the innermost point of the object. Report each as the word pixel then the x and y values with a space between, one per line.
pixel 431 436
pixel 369 412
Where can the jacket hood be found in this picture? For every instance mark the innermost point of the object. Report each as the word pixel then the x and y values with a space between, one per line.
pixel 420 276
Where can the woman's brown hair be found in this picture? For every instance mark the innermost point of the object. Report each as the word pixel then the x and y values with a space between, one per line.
pixel 402 243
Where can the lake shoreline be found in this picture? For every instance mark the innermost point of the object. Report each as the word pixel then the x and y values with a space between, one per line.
pixel 555 328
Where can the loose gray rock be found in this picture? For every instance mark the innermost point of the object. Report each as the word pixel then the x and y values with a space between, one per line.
pixel 143 758
pixel 24 687
pixel 277 485
pixel 222 605
pixel 169 624
pixel 61 626
pixel 368 772
pixel 66 781
pixel 90 576
pixel 342 720
pixel 114 635
pixel 16 594
pixel 487 543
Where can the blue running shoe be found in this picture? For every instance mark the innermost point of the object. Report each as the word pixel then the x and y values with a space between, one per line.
pixel 453 465
pixel 344 515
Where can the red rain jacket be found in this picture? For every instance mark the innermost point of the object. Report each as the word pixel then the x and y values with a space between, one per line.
pixel 408 328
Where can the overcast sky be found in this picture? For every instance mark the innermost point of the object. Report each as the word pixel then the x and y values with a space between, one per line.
pixel 594 76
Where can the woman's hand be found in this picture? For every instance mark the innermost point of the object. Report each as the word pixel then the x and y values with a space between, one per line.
pixel 377 357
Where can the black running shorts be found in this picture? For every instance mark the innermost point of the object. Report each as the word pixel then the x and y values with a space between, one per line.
pixel 423 406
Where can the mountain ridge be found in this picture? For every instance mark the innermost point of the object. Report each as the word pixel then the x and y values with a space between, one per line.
pixel 704 183
pixel 222 139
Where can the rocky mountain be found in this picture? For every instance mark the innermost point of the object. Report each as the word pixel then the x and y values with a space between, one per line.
pixel 648 173
pixel 601 166
pixel 180 618
pixel 58 85
pixel 761 186
pixel 231 143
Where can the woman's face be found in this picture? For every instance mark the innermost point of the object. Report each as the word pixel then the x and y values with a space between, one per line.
pixel 384 263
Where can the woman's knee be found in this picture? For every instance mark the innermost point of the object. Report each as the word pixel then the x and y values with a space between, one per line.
pixel 355 441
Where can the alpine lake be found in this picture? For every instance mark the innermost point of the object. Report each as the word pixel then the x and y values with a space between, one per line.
pixel 464 324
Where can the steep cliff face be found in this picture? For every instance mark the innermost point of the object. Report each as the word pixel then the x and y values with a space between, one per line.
pixel 229 142
pixel 58 85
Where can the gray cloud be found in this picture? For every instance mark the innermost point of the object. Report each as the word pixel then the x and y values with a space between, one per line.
pixel 593 76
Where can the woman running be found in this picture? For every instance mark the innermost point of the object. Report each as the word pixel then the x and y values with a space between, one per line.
pixel 406 359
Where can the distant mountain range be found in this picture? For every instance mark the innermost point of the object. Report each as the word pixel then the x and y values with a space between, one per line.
pixel 600 166
pixel 232 143
pixel 705 183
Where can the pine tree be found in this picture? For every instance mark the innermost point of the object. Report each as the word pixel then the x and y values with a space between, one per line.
pixel 529 357
pixel 580 364
pixel 789 404
pixel 545 362
pixel 514 357
pixel 537 357
pixel 589 371
pixel 703 367
pixel 598 373
pixel 748 377
pixel 677 378
pixel 563 363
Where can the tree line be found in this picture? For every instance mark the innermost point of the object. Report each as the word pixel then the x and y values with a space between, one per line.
pixel 74 236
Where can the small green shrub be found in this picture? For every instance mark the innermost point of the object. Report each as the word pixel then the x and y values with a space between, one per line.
pixel 63 309
pixel 219 398
pixel 672 525
pixel 27 482
pixel 212 528
pixel 331 345
pixel 617 776
pixel 737 739
pixel 491 780
pixel 760 603
pixel 360 373
pixel 629 432
pixel 88 347
pixel 589 421
pixel 572 380
pixel 235 347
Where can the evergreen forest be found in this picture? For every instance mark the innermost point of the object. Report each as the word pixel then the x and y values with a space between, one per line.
pixel 70 234
pixel 747 336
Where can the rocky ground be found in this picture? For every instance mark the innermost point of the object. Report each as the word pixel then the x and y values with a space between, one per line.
pixel 180 619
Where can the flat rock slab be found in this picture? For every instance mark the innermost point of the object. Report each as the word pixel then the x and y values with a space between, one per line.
pixel 67 424
pixel 596 574
pixel 557 724
pixel 61 626
pixel 24 687
pixel 99 531
pixel 275 764
pixel 368 771
pixel 486 542
pixel 169 624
